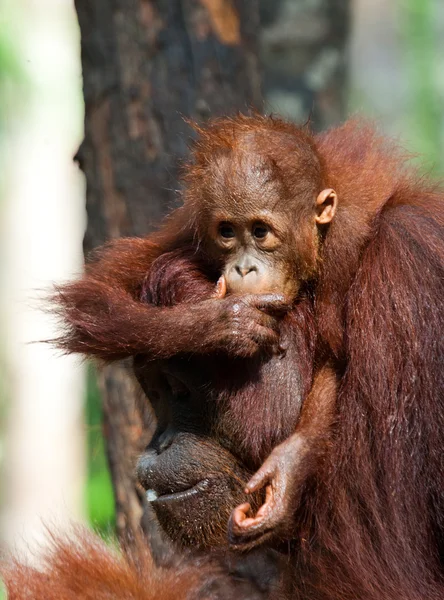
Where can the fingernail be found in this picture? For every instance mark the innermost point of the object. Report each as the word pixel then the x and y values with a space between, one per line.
pixel 282 351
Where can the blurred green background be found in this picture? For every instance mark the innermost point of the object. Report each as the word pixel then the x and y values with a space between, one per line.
pixel 99 493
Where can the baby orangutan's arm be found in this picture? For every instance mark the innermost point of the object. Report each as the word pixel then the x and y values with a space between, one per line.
pixel 285 471
pixel 103 314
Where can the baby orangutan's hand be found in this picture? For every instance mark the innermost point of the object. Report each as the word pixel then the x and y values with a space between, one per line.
pixel 283 475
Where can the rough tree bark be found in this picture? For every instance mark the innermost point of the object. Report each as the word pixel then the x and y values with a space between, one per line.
pixel 147 64
pixel 304 56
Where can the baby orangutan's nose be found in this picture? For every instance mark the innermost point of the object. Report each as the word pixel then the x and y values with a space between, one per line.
pixel 244 270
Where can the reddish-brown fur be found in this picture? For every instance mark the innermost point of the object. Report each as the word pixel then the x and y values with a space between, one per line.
pixel 256 427
pixel 371 524
pixel 83 567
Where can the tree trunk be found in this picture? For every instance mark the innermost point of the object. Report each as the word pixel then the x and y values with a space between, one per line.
pixel 304 57
pixel 146 65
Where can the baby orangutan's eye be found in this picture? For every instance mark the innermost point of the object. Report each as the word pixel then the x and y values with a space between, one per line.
pixel 226 231
pixel 260 231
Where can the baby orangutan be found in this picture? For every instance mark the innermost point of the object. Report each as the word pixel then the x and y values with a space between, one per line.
pixel 257 252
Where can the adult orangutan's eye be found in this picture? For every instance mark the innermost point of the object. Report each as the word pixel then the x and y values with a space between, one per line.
pixel 226 231
pixel 260 231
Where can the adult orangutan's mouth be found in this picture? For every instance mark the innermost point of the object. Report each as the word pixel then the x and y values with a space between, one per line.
pixel 199 488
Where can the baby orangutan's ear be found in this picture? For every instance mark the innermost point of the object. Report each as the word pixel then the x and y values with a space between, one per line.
pixel 326 205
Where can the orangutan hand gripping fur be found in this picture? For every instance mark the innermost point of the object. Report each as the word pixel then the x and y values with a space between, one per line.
pixel 332 256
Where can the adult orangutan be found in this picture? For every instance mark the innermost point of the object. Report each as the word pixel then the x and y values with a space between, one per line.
pixel 285 323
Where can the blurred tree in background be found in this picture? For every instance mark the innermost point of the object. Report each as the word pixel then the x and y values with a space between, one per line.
pixel 303 46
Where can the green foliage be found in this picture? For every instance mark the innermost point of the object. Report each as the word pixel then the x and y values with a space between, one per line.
pixel 99 492
pixel 420 44
pixel 12 75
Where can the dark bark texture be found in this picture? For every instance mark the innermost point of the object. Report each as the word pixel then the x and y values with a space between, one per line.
pixel 147 65
pixel 304 56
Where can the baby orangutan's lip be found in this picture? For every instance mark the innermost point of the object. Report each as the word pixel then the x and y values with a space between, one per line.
pixel 201 487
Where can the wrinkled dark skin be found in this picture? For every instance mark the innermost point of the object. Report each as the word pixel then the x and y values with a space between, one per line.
pixel 185 455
